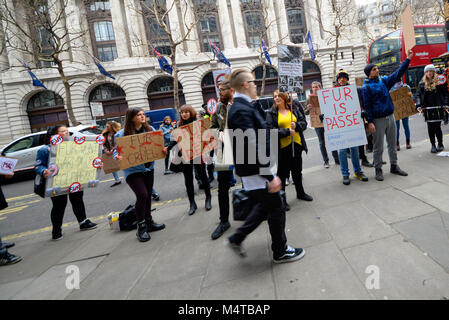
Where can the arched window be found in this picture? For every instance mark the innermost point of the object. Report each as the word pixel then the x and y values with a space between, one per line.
pixel 45 109
pixel 157 37
pixel 253 19
pixel 271 79
pixel 311 72
pixel 208 87
pixel 296 20
pixel 113 99
pixel 101 29
pixel 160 93
pixel 209 24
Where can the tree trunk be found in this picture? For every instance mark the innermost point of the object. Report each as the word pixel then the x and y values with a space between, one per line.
pixel 175 79
pixel 68 93
pixel 262 89
pixel 335 58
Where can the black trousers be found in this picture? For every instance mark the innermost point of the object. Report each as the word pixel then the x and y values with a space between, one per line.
pixel 362 154
pixel 187 170
pixel 265 206
pixel 141 184
pixel 224 184
pixel 434 130
pixel 59 204
pixel 287 163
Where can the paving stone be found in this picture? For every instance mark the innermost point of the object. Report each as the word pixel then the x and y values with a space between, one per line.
pixel 434 193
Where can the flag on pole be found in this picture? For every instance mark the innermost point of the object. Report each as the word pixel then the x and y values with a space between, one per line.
pixel 265 51
pixel 101 68
pixel 36 81
pixel 163 63
pixel 217 52
pixel 311 49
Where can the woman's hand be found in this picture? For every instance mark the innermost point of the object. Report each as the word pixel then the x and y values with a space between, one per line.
pixel 371 127
pixel 419 109
pixel 293 126
pixel 309 106
pixel 46 173
pixel 165 150
pixel 292 132
pixel 119 158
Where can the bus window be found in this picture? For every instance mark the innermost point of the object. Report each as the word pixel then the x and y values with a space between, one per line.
pixel 391 43
pixel 413 77
pixel 419 36
pixel 435 35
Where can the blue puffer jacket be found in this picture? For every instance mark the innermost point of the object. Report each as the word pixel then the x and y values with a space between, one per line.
pixel 42 158
pixel 136 169
pixel 376 96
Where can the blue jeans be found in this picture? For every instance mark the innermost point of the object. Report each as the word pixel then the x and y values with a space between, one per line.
pixel 406 128
pixel 116 177
pixel 343 155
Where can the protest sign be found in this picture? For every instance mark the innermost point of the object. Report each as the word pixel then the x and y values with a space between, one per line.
pixel 97 109
pixel 7 165
pixel 109 164
pixel 195 139
pixel 315 112
pixel 290 69
pixel 71 166
pixel 403 103
pixel 408 29
pixel 218 77
pixel 140 148
pixel 343 124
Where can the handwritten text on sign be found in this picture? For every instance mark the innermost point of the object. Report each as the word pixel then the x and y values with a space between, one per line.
pixel 195 139
pixel 315 113
pixel 343 124
pixel 403 103
pixel 140 148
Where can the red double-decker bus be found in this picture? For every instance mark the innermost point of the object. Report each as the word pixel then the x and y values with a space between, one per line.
pixel 388 52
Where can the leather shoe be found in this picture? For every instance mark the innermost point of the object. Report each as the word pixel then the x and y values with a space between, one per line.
pixel 8 245
pixel 379 175
pixel 304 197
pixel 433 149
pixel 222 227
pixel 396 170
pixel 208 203
pixel 142 232
pixel 153 226
pixel 440 147
pixel 193 207
pixel 366 163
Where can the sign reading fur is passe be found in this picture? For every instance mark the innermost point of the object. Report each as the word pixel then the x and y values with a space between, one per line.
pixel 195 139
pixel 343 124
pixel 403 103
pixel 315 112
pixel 140 148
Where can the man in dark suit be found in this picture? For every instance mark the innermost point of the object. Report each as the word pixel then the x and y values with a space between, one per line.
pixel 257 178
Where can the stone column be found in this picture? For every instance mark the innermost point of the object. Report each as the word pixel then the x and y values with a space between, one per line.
pixel 4 62
pixel 193 45
pixel 120 29
pixel 58 19
pixel 239 24
pixel 283 22
pixel 271 19
pixel 137 35
pixel 226 26
pixel 175 25
pixel 76 27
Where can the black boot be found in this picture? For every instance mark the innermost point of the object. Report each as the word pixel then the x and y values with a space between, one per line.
pixel 379 175
pixel 433 149
pixel 193 207
pixel 153 226
pixel 396 170
pixel 142 232
pixel 284 201
pixel 208 204
pixel 440 147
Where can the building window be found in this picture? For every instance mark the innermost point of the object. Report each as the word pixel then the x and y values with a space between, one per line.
pixel 46 42
pixel 296 20
pixel 46 109
pixel 157 37
pixel 254 22
pixel 106 92
pixel 206 12
pixel 160 93
pixel 101 29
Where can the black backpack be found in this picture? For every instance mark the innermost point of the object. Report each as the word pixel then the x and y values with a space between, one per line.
pixel 127 219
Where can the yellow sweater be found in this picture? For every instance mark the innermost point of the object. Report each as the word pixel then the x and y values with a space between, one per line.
pixel 284 122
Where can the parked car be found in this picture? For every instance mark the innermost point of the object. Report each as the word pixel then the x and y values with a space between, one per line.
pixel 25 148
pixel 157 116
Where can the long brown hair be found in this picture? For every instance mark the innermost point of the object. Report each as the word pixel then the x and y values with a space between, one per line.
pixel 284 96
pixel 188 108
pixel 129 124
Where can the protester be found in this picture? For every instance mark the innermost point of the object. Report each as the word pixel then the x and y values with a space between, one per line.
pixel 224 177
pixel 6 258
pixel 167 129
pixel 262 185
pixel 405 121
pixel 343 80
pixel 433 100
pixel 290 127
pixel 379 108
pixel 316 86
pixel 140 178
pixel 188 115
pixel 112 128
pixel 60 202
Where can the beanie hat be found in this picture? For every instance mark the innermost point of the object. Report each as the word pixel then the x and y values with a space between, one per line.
pixel 368 69
pixel 429 67
pixel 342 73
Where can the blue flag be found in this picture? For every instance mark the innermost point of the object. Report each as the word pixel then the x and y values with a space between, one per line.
pixel 311 50
pixel 36 81
pixel 265 51
pixel 217 52
pixel 163 63
pixel 101 68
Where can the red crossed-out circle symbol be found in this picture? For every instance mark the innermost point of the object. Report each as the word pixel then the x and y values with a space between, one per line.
pixel 79 140
pixel 212 106
pixel 97 162
pixel 74 187
pixel 100 139
pixel 56 139
pixel 441 79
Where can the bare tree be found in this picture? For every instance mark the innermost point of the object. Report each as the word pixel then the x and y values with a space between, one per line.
pixel 37 29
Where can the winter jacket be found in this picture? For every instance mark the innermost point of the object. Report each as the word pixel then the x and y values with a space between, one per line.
pixel 376 96
pixel 165 131
pixel 42 159
pixel 218 120
pixel 436 98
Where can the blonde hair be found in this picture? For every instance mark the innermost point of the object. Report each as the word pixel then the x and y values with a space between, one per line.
pixel 238 77
pixel 114 125
pixel 430 84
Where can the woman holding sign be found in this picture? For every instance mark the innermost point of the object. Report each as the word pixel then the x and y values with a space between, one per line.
pixel 112 128
pixel 433 101
pixel 188 115
pixel 280 117
pixel 60 202
pixel 141 177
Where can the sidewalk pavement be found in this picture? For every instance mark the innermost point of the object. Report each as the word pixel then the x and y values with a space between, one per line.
pixel 397 229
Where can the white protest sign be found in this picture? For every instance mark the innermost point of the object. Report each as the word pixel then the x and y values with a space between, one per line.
pixel 343 124
pixel 290 69
pixel 218 77
pixel 97 109
pixel 7 165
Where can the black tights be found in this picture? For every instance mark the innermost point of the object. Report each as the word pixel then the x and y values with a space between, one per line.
pixel 434 129
pixel 187 170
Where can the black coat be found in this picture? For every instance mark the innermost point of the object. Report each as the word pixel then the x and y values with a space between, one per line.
pixel 438 97
pixel 247 117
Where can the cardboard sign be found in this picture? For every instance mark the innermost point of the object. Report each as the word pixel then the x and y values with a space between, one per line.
pixel 290 69
pixel 408 29
pixel 343 124
pixel 140 148
pixel 71 167
pixel 7 165
pixel 403 103
pixel 195 139
pixel 97 109
pixel 315 112
pixel 109 164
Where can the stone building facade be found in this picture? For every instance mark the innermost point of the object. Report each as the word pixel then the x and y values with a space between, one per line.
pixel 120 36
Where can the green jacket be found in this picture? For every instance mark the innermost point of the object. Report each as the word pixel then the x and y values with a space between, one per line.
pixel 219 118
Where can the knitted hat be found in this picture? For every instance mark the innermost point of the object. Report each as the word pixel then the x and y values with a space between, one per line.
pixel 429 67
pixel 342 73
pixel 368 69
